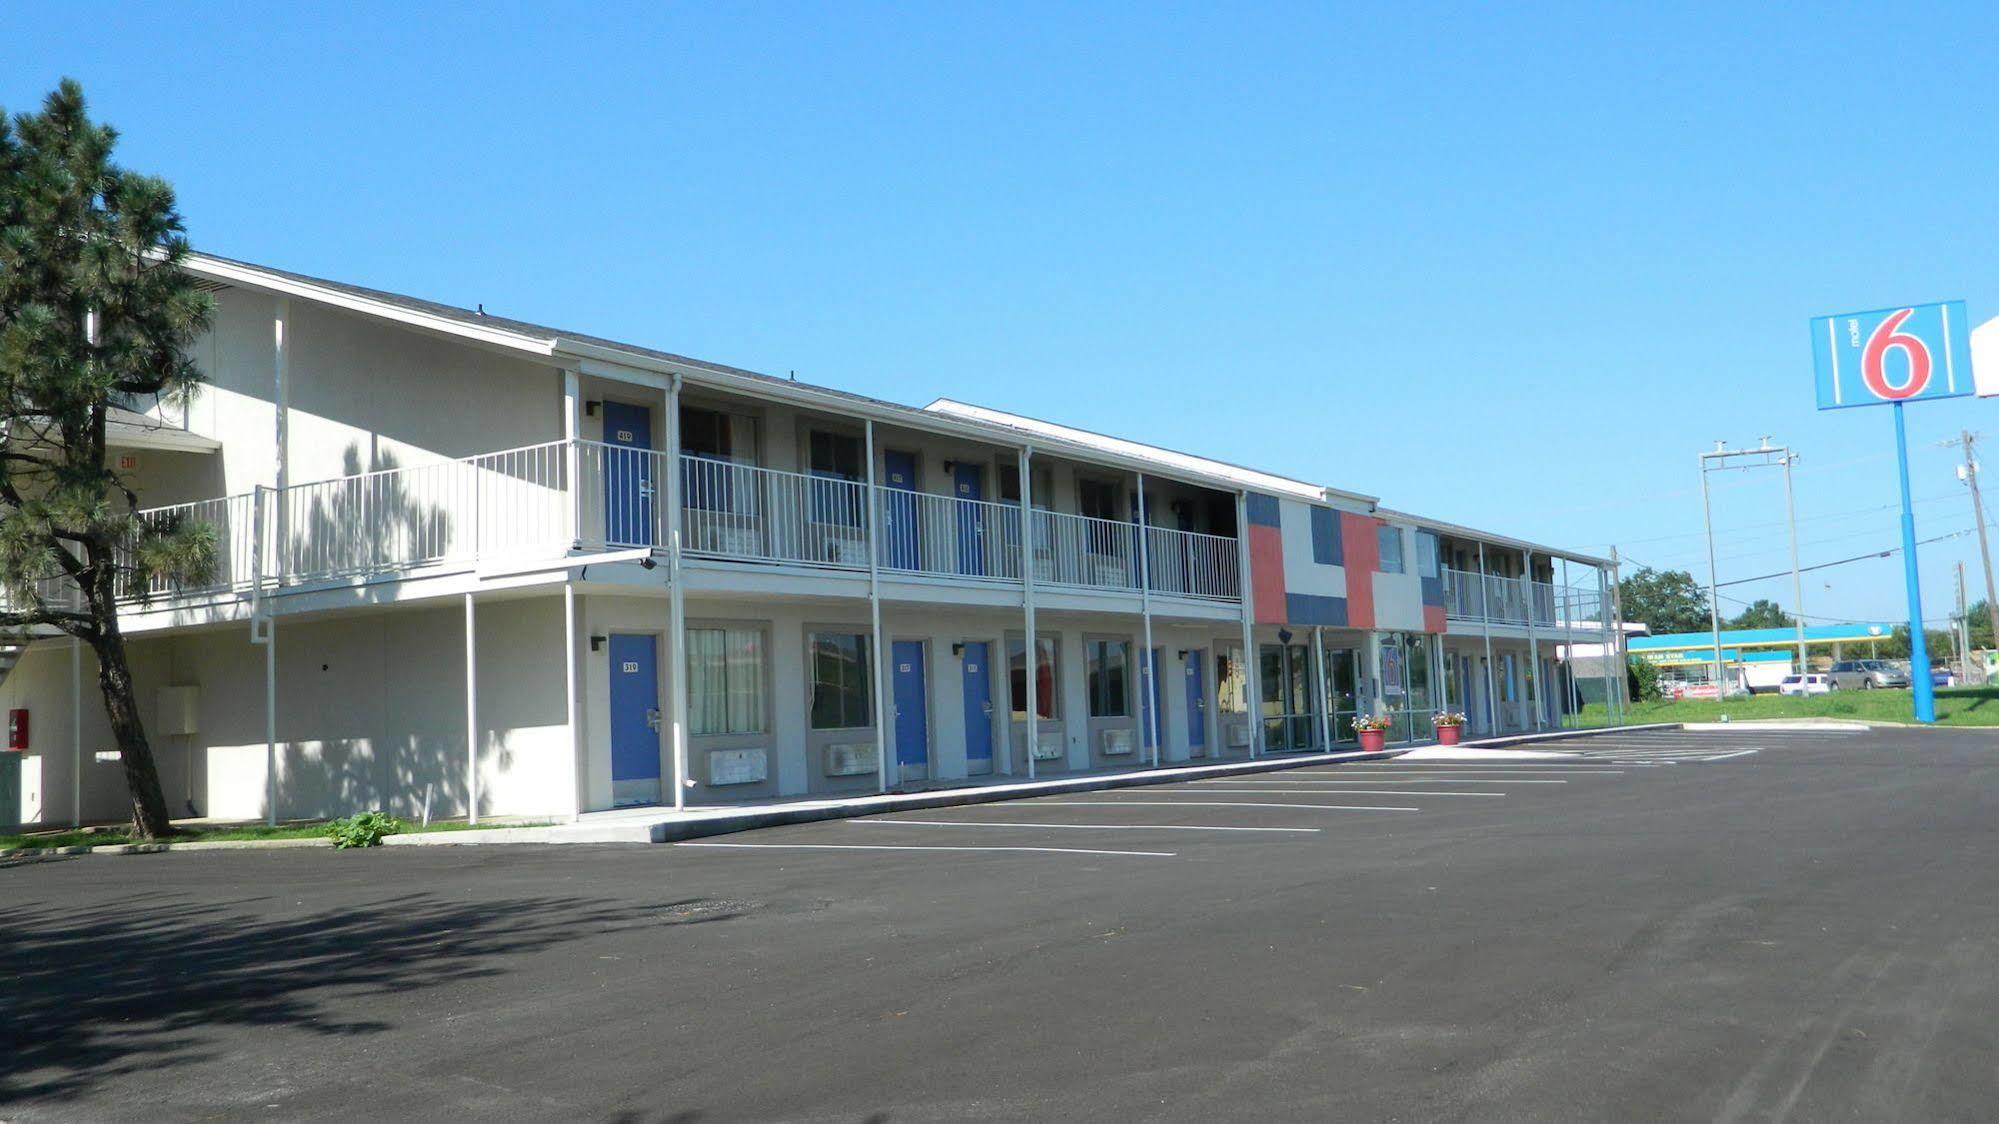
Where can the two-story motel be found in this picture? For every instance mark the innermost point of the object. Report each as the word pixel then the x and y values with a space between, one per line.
pixel 472 564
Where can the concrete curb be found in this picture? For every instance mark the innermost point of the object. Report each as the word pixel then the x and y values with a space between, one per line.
pixel 1567 735
pixel 749 819
pixel 1781 724
pixel 156 848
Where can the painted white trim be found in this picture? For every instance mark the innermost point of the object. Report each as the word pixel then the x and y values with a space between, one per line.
pixel 1225 804
pixel 872 822
pixel 912 847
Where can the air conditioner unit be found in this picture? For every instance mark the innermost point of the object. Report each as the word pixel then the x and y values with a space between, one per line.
pixel 850 759
pixel 739 766
pixel 1236 734
pixel 1108 570
pixel 741 542
pixel 842 545
pixel 1114 743
pixel 1049 748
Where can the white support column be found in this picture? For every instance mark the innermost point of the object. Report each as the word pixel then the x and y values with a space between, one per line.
pixel 1569 645
pixel 884 709
pixel 1325 696
pixel 572 432
pixel 572 702
pixel 1485 625
pixel 1603 648
pixel 281 350
pixel 676 600
pixel 1533 639
pixel 1616 610
pixel 270 722
pixel 1033 653
pixel 75 733
pixel 471 712
pixel 1149 700
pixel 1252 690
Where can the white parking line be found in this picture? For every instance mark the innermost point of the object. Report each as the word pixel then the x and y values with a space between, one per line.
pixel 1220 804
pixel 888 847
pixel 1307 787
pixel 1428 779
pixel 1076 826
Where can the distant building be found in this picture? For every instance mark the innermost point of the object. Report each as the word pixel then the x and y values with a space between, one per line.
pixel 1753 658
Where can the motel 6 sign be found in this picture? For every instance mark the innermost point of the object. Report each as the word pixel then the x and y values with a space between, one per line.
pixel 1892 355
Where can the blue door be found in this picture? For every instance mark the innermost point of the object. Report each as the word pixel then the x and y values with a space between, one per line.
pixel 967 483
pixel 1197 705
pixel 978 709
pixel 628 484
pixel 635 719
pixel 903 547
pixel 1148 701
pixel 912 718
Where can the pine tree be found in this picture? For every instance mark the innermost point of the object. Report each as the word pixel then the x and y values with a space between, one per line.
pixel 95 312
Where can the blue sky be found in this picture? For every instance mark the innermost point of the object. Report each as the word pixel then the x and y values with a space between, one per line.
pixel 1509 268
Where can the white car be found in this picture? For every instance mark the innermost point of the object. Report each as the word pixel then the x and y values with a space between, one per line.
pixel 1805 685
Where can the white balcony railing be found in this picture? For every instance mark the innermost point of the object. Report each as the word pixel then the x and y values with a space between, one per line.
pixel 548 499
pixel 1490 598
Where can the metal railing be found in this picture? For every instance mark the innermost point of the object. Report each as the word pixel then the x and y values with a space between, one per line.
pixel 923 533
pixel 1471 596
pixel 552 497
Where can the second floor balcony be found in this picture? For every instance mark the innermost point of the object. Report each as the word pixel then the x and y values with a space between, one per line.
pixel 552 499
pixel 1519 602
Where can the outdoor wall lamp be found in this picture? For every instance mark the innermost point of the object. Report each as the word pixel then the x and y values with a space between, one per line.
pixel 590 408
pixel 597 643
pixel 1284 636
pixel 1183 655
pixel 958 650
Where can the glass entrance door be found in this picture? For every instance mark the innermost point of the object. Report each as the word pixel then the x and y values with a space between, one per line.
pixel 1289 719
pixel 1343 692
pixel 1406 688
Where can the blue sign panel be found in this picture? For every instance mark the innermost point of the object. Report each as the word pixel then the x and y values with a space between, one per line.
pixel 1892 355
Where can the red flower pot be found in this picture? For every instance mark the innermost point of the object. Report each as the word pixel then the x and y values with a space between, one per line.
pixel 1373 741
pixel 1448 735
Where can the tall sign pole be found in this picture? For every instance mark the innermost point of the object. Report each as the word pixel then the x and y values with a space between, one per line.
pixel 1894 356
pixel 1919 646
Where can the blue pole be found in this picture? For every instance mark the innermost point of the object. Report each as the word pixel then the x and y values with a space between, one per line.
pixel 1919 649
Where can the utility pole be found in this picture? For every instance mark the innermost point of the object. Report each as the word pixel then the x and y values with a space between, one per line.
pixel 1763 455
pixel 1960 631
pixel 1969 440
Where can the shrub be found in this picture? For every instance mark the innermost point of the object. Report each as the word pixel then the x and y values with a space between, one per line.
pixel 364 829
pixel 1644 679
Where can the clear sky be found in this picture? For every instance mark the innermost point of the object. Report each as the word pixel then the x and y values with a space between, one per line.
pixel 1508 268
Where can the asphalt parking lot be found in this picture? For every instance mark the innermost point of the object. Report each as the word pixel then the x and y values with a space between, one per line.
pixel 1745 925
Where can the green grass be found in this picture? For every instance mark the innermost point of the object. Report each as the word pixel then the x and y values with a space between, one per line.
pixel 1956 706
pixel 311 829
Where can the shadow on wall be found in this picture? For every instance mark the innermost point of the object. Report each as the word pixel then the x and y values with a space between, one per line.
pixel 375 519
pixel 338 777
pixel 153 982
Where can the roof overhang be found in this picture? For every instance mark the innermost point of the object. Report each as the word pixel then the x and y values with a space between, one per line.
pixel 127 429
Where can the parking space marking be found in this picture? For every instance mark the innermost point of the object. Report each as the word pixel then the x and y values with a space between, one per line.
pixel 1429 779
pixel 1302 789
pixel 1222 804
pixel 893 847
pixel 1079 826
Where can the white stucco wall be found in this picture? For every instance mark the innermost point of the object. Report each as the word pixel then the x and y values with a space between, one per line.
pixel 371 713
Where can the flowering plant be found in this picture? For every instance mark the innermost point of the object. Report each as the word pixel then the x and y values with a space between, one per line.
pixel 1366 722
pixel 1447 718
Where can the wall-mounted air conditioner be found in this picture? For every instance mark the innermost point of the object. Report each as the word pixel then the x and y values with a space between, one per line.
pixel 1114 743
pixel 1235 732
pixel 850 759
pixel 739 766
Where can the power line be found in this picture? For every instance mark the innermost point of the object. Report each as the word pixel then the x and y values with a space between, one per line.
pixel 1889 553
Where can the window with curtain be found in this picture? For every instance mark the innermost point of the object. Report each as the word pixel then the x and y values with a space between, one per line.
pixel 1231 681
pixel 1045 677
pixel 726 681
pixel 836 457
pixel 839 681
pixel 1109 674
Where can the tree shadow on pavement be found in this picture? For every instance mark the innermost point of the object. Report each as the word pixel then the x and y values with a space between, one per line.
pixel 90 995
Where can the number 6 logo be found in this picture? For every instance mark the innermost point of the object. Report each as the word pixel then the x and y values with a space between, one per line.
pixel 1873 367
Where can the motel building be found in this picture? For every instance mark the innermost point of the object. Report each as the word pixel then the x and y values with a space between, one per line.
pixel 471 565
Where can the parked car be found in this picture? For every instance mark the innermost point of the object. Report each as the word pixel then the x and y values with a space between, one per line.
pixel 1813 684
pixel 1865 675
